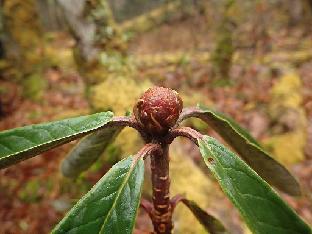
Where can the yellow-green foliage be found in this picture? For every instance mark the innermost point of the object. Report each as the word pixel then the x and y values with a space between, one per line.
pixel 34 86
pixel 189 180
pixel 286 99
pixel 171 58
pixel 59 56
pixel 29 191
pixel 147 21
pixel 288 148
pixel 287 92
pixel 295 57
pixel 119 95
pixel 107 63
pixel 116 62
pixel 20 18
pixel 22 26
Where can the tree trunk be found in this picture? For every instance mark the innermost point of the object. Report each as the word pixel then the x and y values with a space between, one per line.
pixel 24 44
pixel 92 25
pixel 22 34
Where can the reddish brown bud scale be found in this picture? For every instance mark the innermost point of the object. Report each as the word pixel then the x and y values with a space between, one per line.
pixel 158 110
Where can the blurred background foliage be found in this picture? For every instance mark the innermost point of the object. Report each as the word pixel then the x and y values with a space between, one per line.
pixel 63 58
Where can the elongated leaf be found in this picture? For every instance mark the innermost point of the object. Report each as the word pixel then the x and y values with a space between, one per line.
pixel 22 143
pixel 249 149
pixel 210 223
pixel 88 150
pixel 111 205
pixel 260 206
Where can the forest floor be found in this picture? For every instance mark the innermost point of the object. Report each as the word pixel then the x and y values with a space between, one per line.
pixel 32 198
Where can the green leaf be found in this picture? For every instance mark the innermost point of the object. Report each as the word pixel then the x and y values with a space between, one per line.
pixel 22 143
pixel 88 150
pixel 260 206
pixel 250 151
pixel 111 205
pixel 210 223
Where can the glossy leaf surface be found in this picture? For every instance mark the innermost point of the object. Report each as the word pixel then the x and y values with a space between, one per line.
pixel 111 205
pixel 260 206
pixel 210 223
pixel 88 150
pixel 22 143
pixel 250 150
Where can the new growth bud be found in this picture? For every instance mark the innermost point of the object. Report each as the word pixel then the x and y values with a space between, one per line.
pixel 158 110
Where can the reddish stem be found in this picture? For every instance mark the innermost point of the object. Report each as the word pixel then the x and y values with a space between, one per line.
pixel 162 212
pixel 128 122
pixel 187 132
pixel 188 113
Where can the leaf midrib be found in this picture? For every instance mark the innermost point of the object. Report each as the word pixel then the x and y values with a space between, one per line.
pixel 241 194
pixel 220 179
pixel 132 167
pixel 52 141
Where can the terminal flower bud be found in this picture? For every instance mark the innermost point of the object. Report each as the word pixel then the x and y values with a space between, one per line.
pixel 158 110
